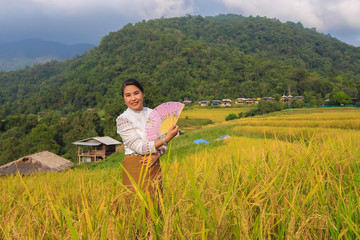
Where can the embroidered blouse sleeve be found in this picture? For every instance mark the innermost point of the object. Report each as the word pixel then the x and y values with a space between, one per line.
pixel 131 138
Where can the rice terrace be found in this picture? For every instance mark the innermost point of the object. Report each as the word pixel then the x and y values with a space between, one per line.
pixel 293 174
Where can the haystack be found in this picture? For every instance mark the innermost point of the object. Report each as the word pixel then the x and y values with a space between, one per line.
pixel 38 162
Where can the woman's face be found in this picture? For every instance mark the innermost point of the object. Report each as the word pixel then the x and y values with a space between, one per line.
pixel 134 97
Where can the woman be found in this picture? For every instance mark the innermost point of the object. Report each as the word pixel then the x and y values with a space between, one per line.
pixel 131 127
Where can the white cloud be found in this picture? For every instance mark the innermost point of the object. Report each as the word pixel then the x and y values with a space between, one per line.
pixel 304 11
pixel 329 16
pixel 345 12
pixel 322 14
pixel 163 8
pixel 131 8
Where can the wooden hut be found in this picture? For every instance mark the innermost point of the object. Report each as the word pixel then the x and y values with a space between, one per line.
pixel 268 99
pixel 204 103
pixel 226 102
pixel 216 102
pixel 247 101
pixel 97 148
pixel 241 101
pixel 38 162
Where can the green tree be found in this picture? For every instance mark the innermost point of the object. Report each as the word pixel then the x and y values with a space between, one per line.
pixel 269 106
pixel 41 138
pixel 341 98
pixel 297 103
pixel 81 126
pixel 312 99
pixel 114 109
pixel 11 149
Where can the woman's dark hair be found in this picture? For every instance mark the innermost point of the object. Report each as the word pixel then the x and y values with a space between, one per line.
pixel 131 81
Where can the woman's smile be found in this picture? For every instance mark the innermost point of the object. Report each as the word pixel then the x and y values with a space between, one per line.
pixel 134 97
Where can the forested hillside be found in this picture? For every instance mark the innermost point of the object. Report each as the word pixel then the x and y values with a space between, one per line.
pixel 227 56
pixel 214 57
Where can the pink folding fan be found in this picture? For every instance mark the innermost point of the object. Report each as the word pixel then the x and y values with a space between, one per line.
pixel 162 118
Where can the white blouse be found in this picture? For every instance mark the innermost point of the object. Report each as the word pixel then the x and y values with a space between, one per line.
pixel 131 127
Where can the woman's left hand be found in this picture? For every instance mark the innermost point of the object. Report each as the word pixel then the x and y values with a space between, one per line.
pixel 153 159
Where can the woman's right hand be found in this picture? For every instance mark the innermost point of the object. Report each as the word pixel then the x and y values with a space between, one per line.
pixel 171 133
pixel 154 157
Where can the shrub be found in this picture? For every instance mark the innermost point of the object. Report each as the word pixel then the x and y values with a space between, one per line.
pixel 341 98
pixel 265 107
pixel 206 122
pixel 241 115
pixel 231 116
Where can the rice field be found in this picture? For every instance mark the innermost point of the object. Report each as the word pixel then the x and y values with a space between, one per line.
pixel 214 114
pixel 270 180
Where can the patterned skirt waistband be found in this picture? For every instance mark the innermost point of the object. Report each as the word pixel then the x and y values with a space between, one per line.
pixel 134 154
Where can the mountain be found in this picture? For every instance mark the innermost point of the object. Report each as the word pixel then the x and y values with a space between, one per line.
pixel 195 57
pixel 18 54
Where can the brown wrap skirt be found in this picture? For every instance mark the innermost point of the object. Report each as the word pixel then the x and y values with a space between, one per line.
pixel 148 180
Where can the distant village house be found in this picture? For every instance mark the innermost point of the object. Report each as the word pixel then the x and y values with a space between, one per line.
pixel 246 101
pixel 216 102
pixel 291 98
pixel 268 99
pixel 226 102
pixel 204 103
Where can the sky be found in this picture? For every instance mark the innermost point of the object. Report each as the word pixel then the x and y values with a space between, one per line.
pixel 87 21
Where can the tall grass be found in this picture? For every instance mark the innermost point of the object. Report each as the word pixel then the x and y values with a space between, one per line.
pixel 244 188
pixel 310 123
pixel 297 133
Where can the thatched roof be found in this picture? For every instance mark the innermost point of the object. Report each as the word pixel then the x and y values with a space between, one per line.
pixel 42 161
